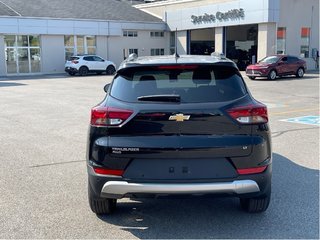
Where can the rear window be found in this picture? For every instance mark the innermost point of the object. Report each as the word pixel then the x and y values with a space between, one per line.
pixel 192 83
pixel 73 58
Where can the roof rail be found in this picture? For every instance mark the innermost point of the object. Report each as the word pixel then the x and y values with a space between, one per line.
pixel 218 55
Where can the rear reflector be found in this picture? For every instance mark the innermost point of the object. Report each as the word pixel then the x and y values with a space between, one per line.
pixel 250 114
pixel 109 116
pixel 251 170
pixel 105 171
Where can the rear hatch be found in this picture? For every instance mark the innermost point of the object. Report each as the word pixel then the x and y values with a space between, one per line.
pixel 178 125
pixel 72 61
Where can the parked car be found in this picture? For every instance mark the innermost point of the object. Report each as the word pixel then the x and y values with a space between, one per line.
pixel 277 65
pixel 183 125
pixel 83 64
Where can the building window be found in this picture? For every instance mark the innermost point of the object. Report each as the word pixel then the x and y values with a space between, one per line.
pixel 156 51
pixel 172 42
pixel 75 45
pixel 156 34
pixel 127 33
pixel 281 40
pixel 22 53
pixel 127 52
pixel 305 41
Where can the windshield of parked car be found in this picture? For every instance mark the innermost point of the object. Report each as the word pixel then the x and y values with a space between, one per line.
pixel 272 59
pixel 188 84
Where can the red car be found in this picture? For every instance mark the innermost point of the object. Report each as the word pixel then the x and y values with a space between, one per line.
pixel 277 65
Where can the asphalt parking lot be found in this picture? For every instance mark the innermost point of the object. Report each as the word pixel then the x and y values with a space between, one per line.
pixel 43 179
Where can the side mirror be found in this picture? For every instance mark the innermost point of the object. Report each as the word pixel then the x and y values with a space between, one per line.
pixel 106 87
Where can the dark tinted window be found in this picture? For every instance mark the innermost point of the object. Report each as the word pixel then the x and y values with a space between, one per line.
pixel 73 58
pixel 89 58
pixel 271 59
pixel 200 84
pixel 292 59
pixel 98 59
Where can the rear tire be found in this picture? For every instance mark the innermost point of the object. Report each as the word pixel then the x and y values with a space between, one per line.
pixel 256 205
pixel 110 70
pixel 71 73
pixel 83 71
pixel 100 205
pixel 272 75
pixel 252 78
pixel 300 73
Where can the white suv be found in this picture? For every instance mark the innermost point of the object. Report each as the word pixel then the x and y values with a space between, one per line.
pixel 83 64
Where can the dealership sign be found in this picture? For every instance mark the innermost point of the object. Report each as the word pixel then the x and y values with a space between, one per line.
pixel 220 16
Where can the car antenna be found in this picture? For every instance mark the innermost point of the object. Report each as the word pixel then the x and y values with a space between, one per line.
pixel 176 55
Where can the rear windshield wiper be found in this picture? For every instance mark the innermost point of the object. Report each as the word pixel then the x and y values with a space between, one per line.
pixel 160 98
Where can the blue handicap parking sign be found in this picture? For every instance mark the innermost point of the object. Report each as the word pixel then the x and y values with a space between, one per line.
pixel 311 120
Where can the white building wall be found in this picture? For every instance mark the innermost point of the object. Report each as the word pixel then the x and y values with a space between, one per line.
pixel 144 43
pixel 294 15
pixel 102 46
pixel 52 53
pixel 3 70
pixel 109 40
pixel 218 40
pixel 267 34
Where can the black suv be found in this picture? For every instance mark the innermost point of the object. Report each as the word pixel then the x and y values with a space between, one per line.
pixel 178 125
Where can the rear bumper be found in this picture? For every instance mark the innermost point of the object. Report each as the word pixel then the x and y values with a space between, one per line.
pixel 251 185
pixel 70 70
pixel 119 189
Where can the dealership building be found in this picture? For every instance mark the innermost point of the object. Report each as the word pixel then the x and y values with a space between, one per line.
pixel 37 36
pixel 245 30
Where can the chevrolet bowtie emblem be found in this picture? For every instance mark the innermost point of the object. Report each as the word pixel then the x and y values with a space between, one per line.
pixel 179 117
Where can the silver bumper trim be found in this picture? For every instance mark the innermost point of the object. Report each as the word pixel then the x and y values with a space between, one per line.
pixel 121 188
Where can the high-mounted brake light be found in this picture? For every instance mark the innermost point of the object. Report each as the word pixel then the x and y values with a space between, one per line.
pixel 109 116
pixel 250 114
pixel 178 67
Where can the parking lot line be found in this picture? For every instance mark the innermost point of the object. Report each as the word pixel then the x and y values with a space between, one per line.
pixel 295 111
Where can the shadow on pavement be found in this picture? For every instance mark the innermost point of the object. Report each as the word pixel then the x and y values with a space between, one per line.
pixel 293 212
pixel 10 84
pixel 49 77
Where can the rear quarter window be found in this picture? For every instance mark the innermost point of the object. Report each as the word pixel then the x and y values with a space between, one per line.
pixel 201 84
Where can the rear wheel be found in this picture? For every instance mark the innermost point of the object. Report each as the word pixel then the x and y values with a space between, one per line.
pixel 256 205
pixel 110 70
pixel 252 78
pixel 300 73
pixel 83 71
pixel 71 73
pixel 100 205
pixel 272 75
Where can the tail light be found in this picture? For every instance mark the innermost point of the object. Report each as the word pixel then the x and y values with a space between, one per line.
pixel 250 114
pixel 75 62
pixel 109 116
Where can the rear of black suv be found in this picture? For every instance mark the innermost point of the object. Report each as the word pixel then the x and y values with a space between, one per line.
pixel 185 126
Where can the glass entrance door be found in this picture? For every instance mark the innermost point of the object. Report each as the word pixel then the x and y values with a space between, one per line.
pixel 23 54
pixel 242 44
